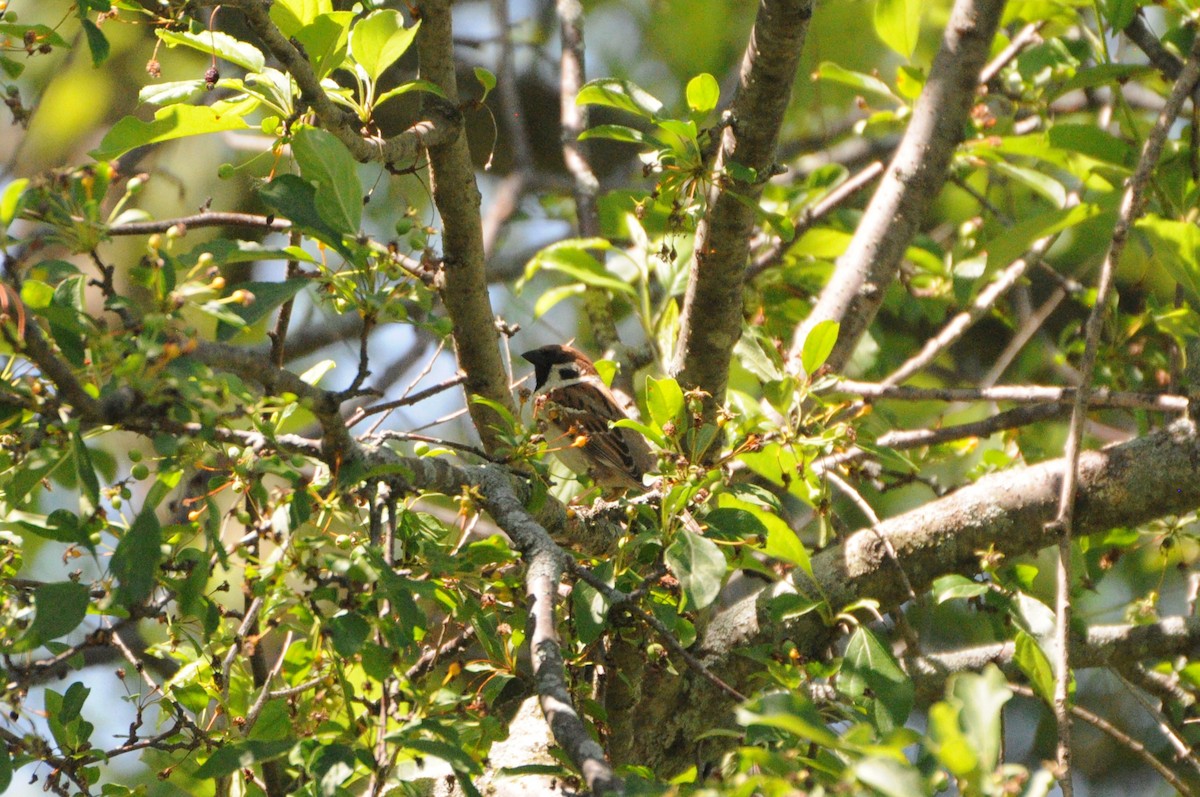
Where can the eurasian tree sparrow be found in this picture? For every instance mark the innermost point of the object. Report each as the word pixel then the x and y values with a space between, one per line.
pixel 575 411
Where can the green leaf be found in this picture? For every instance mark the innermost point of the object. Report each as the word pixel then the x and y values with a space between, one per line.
pixel 664 400
pixel 703 93
pixel 589 609
pixel 174 121
pixel 982 697
pixel 1015 241
pixel 649 432
pixel 456 757
pixel 955 586
pixel 486 79
pixel 818 345
pixel 325 40
pixel 555 295
pixel 236 755
pixel 267 297
pixel 700 567
pixel 1120 12
pixel 172 92
pixel 379 39
pixel 6 769
pixel 898 23
pixel 294 198
pixel 89 499
pixel 325 161
pixel 855 80
pixel 405 88
pixel 620 133
pixel 61 607
pixel 1032 661
pixel 333 764
pixel 11 202
pixel 949 743
pixel 1100 75
pixel 790 712
pixel 733 523
pixel 889 777
pixel 1176 247
pixel 620 94
pixel 134 563
pixel 214 42
pixel 870 672
pixel 571 257
pixel 1093 142
pixel 348 631
pixel 1038 181
pixel 40 34
pixel 97 41
pixel 292 15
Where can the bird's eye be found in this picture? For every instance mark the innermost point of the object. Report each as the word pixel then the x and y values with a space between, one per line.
pixel 568 373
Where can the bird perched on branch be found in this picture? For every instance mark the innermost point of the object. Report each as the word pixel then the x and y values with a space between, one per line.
pixel 575 411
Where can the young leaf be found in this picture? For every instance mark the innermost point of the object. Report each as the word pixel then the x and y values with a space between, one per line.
pixel 856 80
pixel 818 345
pixel 486 79
pixel 664 400
pixel 325 40
pixel 379 39
pixel 703 93
pixel 621 94
pixel 898 23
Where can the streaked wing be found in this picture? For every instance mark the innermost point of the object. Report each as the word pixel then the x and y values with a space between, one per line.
pixel 589 413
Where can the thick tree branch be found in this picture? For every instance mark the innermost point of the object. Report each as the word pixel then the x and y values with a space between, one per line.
pixel 711 319
pixel 464 286
pixel 912 181
pixel 1004 513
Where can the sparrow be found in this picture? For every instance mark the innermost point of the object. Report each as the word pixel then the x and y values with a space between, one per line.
pixel 575 412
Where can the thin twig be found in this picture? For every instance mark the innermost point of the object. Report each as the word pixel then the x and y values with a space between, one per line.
pixel 1130 209
pixel 902 625
pixel 833 200
pixel 1183 750
pixel 205 219
pixel 1107 728
pixel 979 307
pixel 1021 394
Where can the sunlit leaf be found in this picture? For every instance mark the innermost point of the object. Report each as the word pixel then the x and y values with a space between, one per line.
pixel 378 40
pixel 621 94
pixel 174 121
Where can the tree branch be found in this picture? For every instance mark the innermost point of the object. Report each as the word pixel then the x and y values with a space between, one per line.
pixel 912 181
pixel 711 318
pixel 464 285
